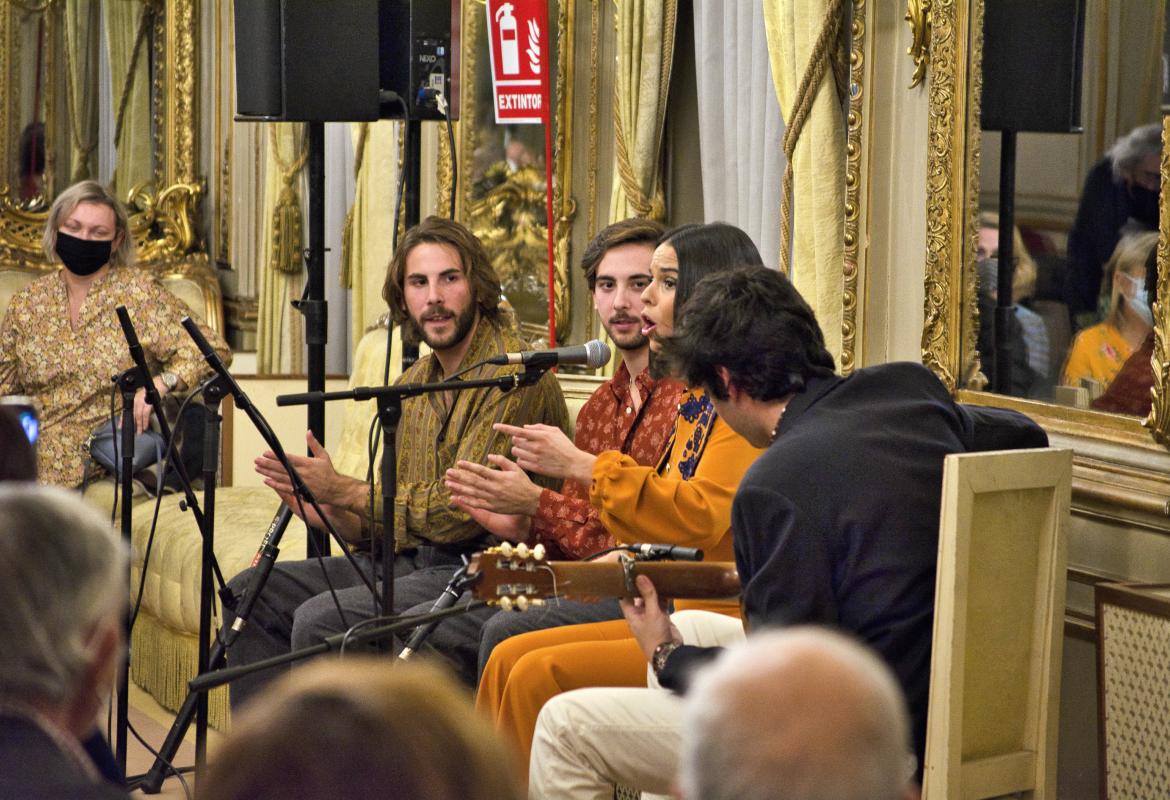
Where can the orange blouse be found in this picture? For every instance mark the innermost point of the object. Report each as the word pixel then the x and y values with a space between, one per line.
pixel 655 506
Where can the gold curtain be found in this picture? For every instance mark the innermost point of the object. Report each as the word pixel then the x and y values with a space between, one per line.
pixel 369 232
pixel 128 43
pixel 280 329
pixel 81 80
pixel 645 51
pixel 818 163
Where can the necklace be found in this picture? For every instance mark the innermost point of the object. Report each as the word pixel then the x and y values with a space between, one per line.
pixel 776 427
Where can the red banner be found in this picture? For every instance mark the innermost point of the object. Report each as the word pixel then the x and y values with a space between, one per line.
pixel 518 41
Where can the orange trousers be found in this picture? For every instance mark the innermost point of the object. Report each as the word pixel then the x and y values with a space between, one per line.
pixel 526 671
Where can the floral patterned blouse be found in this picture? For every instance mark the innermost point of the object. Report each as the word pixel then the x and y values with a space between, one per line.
pixel 68 370
pixel 566 521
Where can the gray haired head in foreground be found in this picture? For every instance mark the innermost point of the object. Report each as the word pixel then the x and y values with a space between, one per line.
pixel 796 714
pixel 62 571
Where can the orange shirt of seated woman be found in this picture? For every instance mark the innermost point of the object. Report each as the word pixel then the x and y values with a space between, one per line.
pixel 1098 352
pixel 685 500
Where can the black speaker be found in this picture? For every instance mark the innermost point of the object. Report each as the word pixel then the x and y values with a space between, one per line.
pixel 307 60
pixel 419 51
pixel 1032 63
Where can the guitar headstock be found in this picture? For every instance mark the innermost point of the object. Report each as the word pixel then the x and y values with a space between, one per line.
pixel 514 577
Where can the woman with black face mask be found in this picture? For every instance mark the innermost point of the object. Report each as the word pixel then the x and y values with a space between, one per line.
pixel 60 340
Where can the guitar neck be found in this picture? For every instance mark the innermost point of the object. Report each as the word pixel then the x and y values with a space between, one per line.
pixel 503 576
pixel 681 579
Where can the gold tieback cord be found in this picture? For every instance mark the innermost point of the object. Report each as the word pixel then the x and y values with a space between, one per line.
pixel 287 220
pixel 643 207
pixel 128 83
pixel 359 158
pixel 805 95
pixel 81 169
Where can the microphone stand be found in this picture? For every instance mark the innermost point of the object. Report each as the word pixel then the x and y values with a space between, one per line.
pixel 195 704
pixel 128 383
pixel 389 400
pixel 204 683
pixel 151 781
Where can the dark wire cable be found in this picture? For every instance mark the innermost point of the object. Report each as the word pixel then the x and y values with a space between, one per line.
pixel 158 505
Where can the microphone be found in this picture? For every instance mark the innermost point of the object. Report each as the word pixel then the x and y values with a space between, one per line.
pixel 205 349
pixel 451 593
pixel 592 354
pixel 670 552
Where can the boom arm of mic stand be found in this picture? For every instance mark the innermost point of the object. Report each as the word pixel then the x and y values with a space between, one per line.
pixel 138 356
pixel 211 680
pixel 300 489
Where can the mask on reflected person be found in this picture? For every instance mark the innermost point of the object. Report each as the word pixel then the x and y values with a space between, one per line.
pixel 83 256
pixel 1140 300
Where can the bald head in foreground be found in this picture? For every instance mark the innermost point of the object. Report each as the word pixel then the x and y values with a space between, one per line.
pixel 797 714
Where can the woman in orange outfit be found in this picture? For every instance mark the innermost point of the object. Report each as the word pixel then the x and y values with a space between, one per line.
pixel 686 500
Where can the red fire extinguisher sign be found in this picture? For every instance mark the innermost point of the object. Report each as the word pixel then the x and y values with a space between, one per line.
pixel 518 42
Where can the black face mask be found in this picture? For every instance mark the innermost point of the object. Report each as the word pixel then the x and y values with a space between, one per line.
pixel 83 256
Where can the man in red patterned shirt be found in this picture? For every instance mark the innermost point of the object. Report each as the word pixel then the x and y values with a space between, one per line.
pixel 632 412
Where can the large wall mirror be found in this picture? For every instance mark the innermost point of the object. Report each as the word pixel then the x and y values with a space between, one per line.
pixel 102 90
pixel 502 175
pixel 1086 209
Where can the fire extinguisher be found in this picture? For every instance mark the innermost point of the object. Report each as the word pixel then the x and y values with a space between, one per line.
pixel 509 46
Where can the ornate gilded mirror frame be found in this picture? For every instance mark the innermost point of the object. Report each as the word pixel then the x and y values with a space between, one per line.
pixel 521 186
pixel 162 217
pixel 950 315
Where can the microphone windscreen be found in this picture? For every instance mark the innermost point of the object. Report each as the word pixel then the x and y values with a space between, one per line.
pixel 597 354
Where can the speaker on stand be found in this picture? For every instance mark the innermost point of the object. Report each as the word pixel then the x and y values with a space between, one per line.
pixel 1032 66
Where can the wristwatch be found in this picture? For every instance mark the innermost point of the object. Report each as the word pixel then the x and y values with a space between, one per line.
pixel 170 380
pixel 661 653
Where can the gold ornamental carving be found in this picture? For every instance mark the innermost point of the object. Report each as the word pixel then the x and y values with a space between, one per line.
pixel 1159 419
pixel 951 178
pixel 853 148
pixel 918 14
pixel 179 58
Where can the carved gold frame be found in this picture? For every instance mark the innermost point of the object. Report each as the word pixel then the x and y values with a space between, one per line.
pixel 564 206
pixel 162 220
pixel 853 181
pixel 950 319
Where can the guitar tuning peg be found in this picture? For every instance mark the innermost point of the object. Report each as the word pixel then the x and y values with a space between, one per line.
pixel 506 549
pixel 539 552
pixel 522 550
pixel 522 603
pixel 506 603
pixel 536 601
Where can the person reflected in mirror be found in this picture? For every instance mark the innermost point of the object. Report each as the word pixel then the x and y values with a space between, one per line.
pixel 32 164
pixel 61 340
pixel 1120 198
pixel 1131 391
pixel 1098 352
pixel 1029 328
pixel 1025 382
